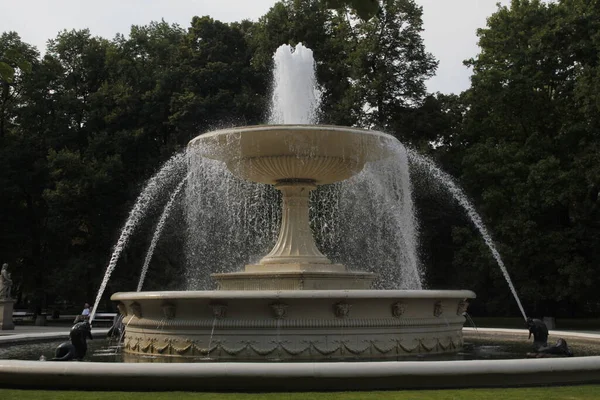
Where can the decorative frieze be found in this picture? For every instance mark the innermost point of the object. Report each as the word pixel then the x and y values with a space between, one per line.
pixel 398 308
pixel 219 310
pixel 307 349
pixel 342 309
pixel 291 323
pixel 438 309
pixel 169 310
pixel 279 310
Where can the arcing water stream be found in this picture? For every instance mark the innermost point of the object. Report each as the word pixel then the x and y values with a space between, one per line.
pixel 367 222
pixel 151 191
pixel 463 200
pixel 158 231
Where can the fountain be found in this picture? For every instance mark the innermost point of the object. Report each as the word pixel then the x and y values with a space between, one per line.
pixel 295 304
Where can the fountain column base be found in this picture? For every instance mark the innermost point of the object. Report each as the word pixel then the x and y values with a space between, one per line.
pixel 295 267
pixel 295 263
pixel 302 278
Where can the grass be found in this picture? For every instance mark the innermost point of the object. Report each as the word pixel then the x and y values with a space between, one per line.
pixel 584 392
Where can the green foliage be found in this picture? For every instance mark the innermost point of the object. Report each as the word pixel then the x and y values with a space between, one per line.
pixel 390 64
pixel 219 85
pixel 365 9
pixel 7 73
pixel 83 127
pixel 14 56
pixel 527 148
pixel 371 72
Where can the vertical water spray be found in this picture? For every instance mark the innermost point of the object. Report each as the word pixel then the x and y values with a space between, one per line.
pixel 158 231
pixel 377 201
pixel 463 200
pixel 368 218
pixel 295 98
pixel 150 192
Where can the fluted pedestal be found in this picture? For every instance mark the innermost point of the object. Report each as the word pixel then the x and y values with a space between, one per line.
pixel 295 159
pixel 295 243
pixel 295 263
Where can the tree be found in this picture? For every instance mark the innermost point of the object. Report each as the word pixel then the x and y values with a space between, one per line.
pixel 365 9
pixel 16 59
pixel 390 65
pixel 529 151
pixel 371 73
pixel 218 84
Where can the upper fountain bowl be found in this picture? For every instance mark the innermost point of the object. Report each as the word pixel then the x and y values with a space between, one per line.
pixel 273 154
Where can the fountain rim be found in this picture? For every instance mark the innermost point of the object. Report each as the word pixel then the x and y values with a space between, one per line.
pixel 294 294
pixel 289 128
pixel 279 376
pixel 297 377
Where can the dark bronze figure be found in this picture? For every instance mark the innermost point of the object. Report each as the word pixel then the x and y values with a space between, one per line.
pixel 560 349
pixel 77 348
pixel 540 332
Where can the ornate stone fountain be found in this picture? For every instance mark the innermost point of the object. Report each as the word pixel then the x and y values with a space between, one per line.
pixel 295 159
pixel 295 304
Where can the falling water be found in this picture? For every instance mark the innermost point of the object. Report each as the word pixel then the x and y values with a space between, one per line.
pixel 352 220
pixel 405 213
pixel 153 188
pixel 230 222
pixel 158 231
pixel 463 200
pixel 295 98
pixel 368 222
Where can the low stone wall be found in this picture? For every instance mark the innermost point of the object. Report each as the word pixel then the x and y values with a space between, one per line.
pixel 309 376
pixel 270 377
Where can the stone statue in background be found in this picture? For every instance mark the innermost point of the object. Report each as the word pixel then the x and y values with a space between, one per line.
pixel 540 332
pixel 5 283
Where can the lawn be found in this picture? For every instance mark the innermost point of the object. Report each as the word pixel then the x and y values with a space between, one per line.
pixel 584 392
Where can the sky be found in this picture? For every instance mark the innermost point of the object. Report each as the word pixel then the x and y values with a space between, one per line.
pixel 449 25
